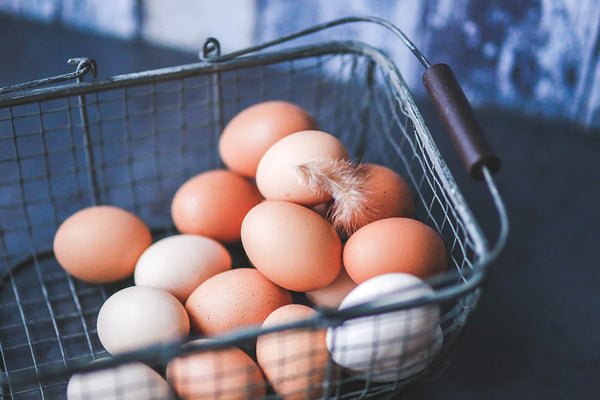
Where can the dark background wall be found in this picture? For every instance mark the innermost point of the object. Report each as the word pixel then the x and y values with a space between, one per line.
pixel 539 57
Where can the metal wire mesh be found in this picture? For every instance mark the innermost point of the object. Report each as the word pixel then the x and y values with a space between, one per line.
pixel 134 142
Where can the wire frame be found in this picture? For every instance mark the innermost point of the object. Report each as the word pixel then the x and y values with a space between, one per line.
pixel 133 140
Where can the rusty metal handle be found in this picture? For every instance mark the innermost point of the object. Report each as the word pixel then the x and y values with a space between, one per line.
pixel 458 117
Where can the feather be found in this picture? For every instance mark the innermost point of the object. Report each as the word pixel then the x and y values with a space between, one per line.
pixel 345 182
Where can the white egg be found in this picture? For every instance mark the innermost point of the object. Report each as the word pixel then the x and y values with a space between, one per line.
pixel 134 381
pixel 180 263
pixel 389 346
pixel 140 316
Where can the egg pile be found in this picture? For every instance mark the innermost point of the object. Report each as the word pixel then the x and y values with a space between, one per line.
pixel 311 222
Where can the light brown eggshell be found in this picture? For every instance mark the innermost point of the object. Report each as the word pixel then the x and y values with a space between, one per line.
pixel 233 299
pixel 140 316
pixel 214 204
pixel 251 132
pixel 292 245
pixel 179 263
pixel 101 244
pixel 388 194
pixel 332 295
pixel 224 374
pixel 294 361
pixel 394 245
pixel 277 176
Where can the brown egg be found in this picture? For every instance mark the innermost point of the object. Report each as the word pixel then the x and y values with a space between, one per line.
pixel 214 204
pixel 101 244
pixel 332 295
pixel 292 245
pixel 277 175
pixel 223 374
pixel 388 194
pixel 251 132
pixel 233 299
pixel 294 361
pixel 394 245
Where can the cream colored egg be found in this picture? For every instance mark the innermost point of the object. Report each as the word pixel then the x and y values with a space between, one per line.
pixel 139 316
pixel 134 381
pixel 277 175
pixel 180 263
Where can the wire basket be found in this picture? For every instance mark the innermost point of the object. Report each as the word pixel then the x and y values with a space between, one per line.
pixel 132 140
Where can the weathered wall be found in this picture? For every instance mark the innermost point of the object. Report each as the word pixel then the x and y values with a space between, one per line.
pixel 535 56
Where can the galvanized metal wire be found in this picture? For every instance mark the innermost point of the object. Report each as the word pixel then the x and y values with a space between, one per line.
pixel 131 140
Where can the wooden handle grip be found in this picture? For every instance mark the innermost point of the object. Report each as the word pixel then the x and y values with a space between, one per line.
pixel 458 117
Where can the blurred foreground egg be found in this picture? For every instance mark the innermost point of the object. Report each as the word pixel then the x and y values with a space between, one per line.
pixel 133 381
pixel 294 360
pixel 101 244
pixel 213 204
pixel 221 374
pixel 179 263
pixel 390 346
pixel 251 132
pixel 140 316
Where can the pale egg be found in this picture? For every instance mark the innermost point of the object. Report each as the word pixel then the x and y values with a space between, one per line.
pixel 140 316
pixel 179 263
pixel 277 174
pixel 132 381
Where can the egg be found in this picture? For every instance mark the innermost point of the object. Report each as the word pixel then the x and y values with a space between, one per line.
pixel 213 204
pixel 139 316
pixel 332 295
pixel 388 194
pixel 394 245
pixel 251 132
pixel 101 244
pixel 295 361
pixel 179 263
pixel 391 346
pixel 237 298
pixel 220 374
pixel 292 245
pixel 277 175
pixel 132 381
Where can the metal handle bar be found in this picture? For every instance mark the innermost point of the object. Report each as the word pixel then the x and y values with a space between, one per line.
pixel 440 82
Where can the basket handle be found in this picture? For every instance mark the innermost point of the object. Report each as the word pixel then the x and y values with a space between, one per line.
pixel 458 117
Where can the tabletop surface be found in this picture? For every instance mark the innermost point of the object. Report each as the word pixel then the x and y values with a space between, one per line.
pixel 534 334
